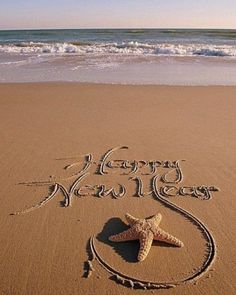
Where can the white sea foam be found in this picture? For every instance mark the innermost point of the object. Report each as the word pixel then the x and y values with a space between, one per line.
pixel 128 48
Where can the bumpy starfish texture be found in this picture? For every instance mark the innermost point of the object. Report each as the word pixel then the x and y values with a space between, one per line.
pixel 145 230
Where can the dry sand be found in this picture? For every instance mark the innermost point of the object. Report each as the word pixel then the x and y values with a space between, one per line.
pixel 45 127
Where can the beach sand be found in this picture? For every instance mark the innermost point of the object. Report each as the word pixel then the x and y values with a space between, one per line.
pixel 46 127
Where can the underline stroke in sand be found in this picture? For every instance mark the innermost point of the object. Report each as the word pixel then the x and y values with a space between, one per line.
pixel 165 177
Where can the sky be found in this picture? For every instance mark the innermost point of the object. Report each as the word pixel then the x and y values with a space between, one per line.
pixel 42 14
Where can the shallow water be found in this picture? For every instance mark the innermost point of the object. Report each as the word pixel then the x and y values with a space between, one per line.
pixel 149 56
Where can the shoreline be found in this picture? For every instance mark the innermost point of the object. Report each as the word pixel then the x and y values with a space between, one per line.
pixel 124 70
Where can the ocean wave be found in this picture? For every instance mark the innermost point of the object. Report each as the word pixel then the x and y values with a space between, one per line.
pixel 124 48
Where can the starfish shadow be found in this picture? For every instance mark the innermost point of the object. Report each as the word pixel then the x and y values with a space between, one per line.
pixel 127 250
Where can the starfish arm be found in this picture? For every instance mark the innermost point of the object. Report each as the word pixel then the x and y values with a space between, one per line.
pixel 156 219
pixel 127 235
pixel 145 239
pixel 130 219
pixel 163 236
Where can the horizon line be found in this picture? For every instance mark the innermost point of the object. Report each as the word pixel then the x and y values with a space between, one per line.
pixel 120 28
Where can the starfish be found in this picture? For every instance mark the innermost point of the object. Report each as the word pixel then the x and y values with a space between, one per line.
pixel 145 230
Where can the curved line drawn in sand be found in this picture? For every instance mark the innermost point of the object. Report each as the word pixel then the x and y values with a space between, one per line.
pixel 140 284
pixel 208 236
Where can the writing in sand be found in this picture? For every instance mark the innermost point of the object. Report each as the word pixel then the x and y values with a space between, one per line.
pixel 165 177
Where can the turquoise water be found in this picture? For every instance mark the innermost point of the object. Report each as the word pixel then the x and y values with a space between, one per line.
pixel 120 56
pixel 150 36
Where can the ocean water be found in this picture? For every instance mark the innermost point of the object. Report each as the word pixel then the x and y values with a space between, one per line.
pixel 127 56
